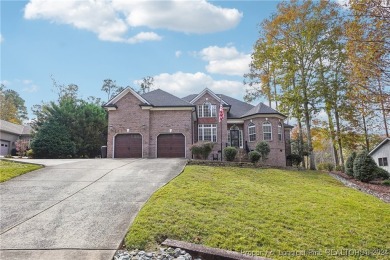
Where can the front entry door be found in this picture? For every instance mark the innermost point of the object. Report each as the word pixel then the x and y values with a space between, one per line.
pixel 235 138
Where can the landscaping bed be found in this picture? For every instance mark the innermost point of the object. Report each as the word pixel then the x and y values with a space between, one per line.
pixel 264 212
pixel 374 188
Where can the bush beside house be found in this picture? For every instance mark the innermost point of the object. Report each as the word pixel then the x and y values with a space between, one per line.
pixel 53 141
pixel 264 150
pixel 349 164
pixel 230 153
pixel 202 150
pixel 362 167
pixel 254 156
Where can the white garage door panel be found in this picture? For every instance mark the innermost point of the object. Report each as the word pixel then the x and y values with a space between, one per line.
pixel 4 148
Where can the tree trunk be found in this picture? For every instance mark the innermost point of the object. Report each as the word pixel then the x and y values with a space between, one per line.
pixel 332 135
pixel 300 141
pixel 275 91
pixel 312 165
pixel 365 131
pixel 383 107
pixel 338 133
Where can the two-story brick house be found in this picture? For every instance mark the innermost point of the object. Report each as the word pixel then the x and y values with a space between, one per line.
pixel 159 124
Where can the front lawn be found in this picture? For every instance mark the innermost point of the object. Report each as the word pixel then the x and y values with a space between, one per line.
pixel 262 210
pixel 10 169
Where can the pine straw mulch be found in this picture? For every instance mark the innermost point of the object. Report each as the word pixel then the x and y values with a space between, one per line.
pixel 374 188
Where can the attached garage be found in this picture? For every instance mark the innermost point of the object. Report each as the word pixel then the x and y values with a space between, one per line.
pixel 171 146
pixel 4 148
pixel 128 146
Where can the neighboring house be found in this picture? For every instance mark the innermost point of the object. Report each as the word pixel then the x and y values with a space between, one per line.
pixel 381 154
pixel 10 133
pixel 159 124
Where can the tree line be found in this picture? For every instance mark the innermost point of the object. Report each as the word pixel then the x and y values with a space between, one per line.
pixel 316 58
pixel 68 127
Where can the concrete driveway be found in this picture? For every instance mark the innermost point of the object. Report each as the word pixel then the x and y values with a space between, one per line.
pixel 77 209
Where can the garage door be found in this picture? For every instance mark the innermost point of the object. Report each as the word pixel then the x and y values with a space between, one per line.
pixel 4 148
pixel 128 146
pixel 171 146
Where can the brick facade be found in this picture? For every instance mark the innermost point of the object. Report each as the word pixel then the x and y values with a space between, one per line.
pixel 170 121
pixel 129 117
pixel 212 120
pixel 132 116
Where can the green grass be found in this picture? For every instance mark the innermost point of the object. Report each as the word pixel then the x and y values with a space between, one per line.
pixel 10 169
pixel 262 210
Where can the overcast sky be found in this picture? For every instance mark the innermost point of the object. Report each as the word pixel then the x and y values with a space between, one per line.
pixel 185 45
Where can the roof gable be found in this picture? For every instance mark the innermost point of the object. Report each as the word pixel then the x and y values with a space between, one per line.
pixel 160 98
pixel 127 90
pixel 379 145
pixel 206 90
pixel 15 128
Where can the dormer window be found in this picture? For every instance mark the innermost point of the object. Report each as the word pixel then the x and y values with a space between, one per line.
pixel 207 110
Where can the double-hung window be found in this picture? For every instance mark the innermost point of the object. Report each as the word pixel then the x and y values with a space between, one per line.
pixel 252 132
pixel 382 161
pixel 207 110
pixel 207 132
pixel 280 133
pixel 267 131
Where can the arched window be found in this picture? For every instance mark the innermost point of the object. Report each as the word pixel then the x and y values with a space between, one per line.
pixel 252 132
pixel 280 132
pixel 267 131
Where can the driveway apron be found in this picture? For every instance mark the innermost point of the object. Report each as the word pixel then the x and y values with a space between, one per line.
pixel 77 210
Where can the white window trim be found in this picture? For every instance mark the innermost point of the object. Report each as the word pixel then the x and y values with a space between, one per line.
pixel 267 123
pixel 251 125
pixel 280 128
pixel 201 111
pixel 214 131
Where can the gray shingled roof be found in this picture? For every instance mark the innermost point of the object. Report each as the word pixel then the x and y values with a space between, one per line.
pixel 189 97
pixel 238 107
pixel 14 128
pixel 261 108
pixel 160 98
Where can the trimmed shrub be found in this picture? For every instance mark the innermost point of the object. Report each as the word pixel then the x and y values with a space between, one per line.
pixel 264 149
pixel 53 141
pixel 296 159
pixel 382 173
pixel 202 150
pixel 325 167
pixel 386 182
pixel 230 153
pixel 254 156
pixel 364 167
pixel 340 168
pixel 349 164
pixel 30 153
